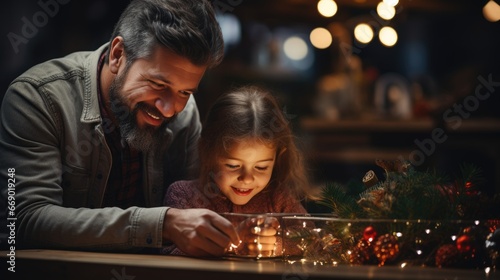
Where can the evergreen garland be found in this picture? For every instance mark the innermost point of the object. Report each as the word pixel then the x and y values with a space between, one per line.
pixel 409 217
pixel 410 194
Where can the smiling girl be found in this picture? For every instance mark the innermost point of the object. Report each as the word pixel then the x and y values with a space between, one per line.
pixel 249 160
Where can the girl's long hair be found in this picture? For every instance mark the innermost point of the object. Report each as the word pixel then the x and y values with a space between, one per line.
pixel 251 113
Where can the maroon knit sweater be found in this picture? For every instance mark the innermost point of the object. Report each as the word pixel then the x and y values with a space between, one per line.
pixel 189 194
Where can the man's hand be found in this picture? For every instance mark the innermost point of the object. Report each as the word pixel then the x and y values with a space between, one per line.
pixel 199 232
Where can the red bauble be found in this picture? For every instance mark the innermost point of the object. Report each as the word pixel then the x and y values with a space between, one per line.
pixel 469 189
pixel 386 248
pixel 361 253
pixel 465 244
pixel 447 256
pixel 369 234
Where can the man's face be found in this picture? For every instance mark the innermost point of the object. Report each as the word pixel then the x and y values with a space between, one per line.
pixel 149 93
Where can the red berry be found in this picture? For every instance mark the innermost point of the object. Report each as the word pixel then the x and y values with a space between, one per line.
pixel 464 244
pixel 369 234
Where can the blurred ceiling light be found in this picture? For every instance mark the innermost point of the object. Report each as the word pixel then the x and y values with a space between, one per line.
pixel 491 11
pixel 230 27
pixel 385 11
pixel 295 48
pixel 388 36
pixel 327 8
pixel 321 38
pixel 391 3
pixel 363 33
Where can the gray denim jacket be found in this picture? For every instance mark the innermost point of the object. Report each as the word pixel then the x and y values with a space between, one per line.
pixel 51 135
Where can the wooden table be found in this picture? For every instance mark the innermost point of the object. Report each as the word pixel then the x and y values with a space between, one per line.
pixel 74 265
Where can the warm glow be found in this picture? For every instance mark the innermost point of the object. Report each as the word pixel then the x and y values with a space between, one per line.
pixel 295 48
pixel 321 38
pixel 363 33
pixel 385 11
pixel 327 8
pixel 388 36
pixel 491 11
pixel 391 3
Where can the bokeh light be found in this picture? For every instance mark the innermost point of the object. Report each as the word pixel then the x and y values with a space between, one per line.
pixel 321 38
pixel 327 8
pixel 385 11
pixel 391 3
pixel 363 33
pixel 491 11
pixel 388 36
pixel 295 48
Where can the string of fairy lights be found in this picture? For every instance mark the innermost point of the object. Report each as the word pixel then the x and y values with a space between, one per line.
pixel 297 51
pixel 363 32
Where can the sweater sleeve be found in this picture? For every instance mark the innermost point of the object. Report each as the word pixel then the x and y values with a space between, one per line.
pixel 183 195
pixel 186 194
pixel 176 195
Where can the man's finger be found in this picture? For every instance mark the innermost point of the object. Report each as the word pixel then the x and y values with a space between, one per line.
pixel 222 225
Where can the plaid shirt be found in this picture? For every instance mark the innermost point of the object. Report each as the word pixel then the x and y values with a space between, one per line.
pixel 124 187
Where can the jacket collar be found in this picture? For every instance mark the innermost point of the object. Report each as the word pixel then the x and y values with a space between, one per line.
pixel 91 112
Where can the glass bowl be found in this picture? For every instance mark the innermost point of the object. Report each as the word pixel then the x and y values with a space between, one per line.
pixel 260 235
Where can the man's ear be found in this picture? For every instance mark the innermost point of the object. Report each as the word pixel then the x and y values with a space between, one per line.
pixel 116 54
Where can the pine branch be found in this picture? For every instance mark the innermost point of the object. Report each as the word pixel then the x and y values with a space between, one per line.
pixel 410 194
pixel 335 197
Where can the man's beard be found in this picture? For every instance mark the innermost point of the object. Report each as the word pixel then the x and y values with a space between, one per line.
pixel 145 139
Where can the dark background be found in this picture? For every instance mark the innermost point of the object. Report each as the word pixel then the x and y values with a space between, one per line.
pixel 448 43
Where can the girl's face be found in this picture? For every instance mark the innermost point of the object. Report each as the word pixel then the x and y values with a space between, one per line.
pixel 245 170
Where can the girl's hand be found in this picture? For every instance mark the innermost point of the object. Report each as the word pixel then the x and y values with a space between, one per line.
pixel 258 237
